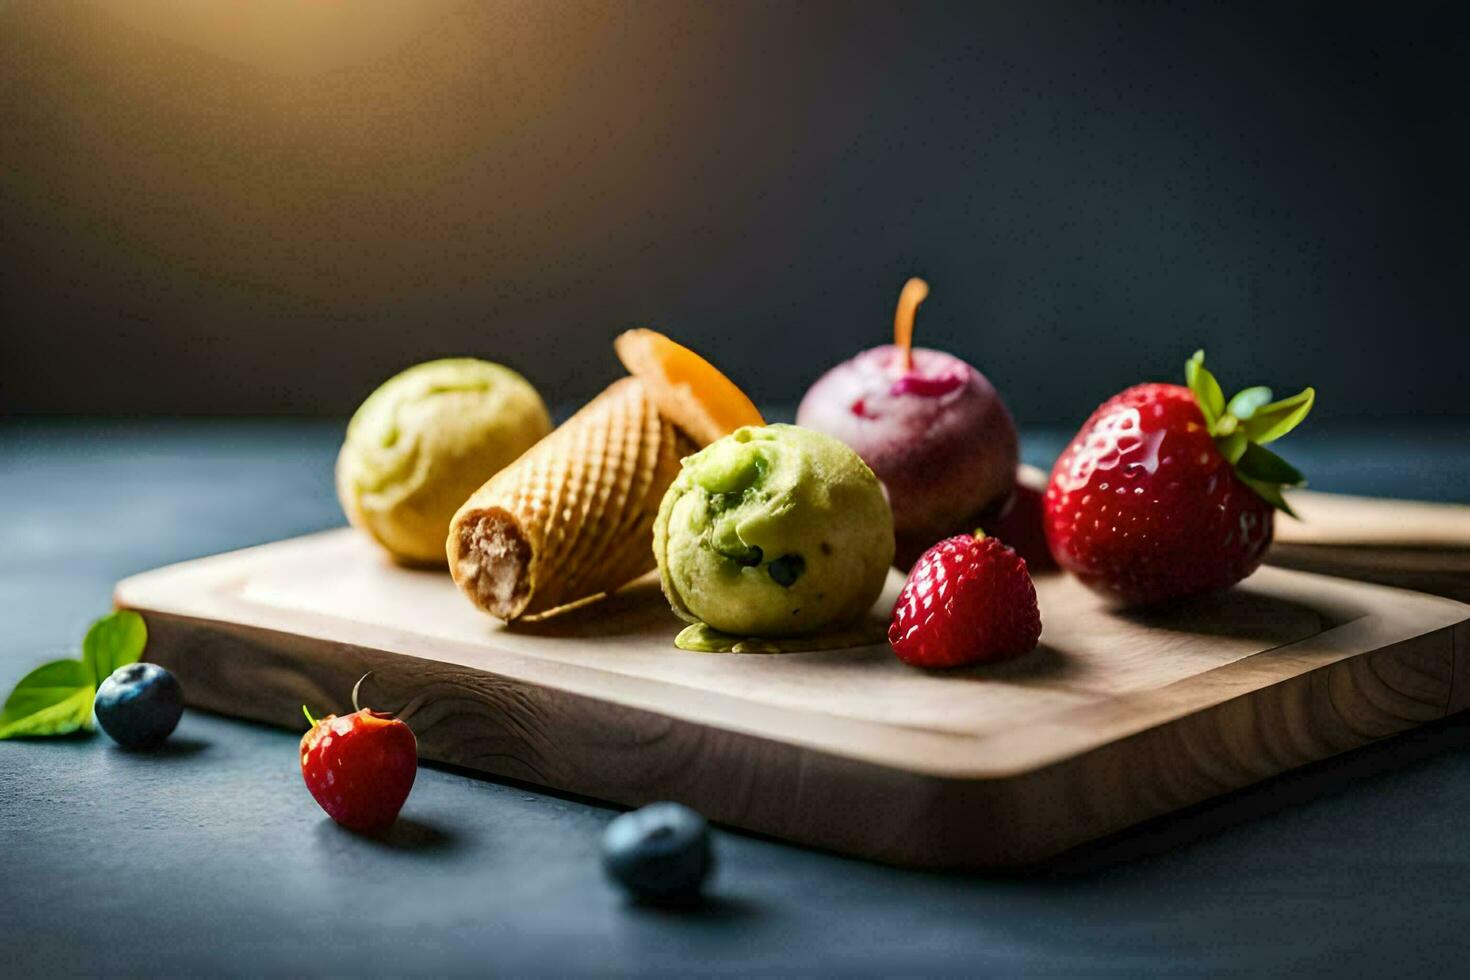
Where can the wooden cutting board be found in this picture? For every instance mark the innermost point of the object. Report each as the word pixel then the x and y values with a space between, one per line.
pixel 1408 543
pixel 1116 718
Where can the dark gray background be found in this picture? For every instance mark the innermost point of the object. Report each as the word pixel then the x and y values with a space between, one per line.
pixel 204 211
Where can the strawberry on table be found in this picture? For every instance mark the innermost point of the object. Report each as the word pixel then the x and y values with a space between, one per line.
pixel 968 600
pixel 359 767
pixel 1169 491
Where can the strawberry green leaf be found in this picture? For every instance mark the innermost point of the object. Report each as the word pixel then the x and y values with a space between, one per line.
pixel 1206 389
pixel 53 699
pixel 1264 465
pixel 1245 403
pixel 1232 446
pixel 1270 493
pixel 114 641
pixel 1271 422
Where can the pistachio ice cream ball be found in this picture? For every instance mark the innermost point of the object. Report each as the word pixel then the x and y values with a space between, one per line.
pixel 773 531
pixel 427 439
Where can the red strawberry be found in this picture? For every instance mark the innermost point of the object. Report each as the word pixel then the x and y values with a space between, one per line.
pixel 360 767
pixel 968 600
pixel 1167 490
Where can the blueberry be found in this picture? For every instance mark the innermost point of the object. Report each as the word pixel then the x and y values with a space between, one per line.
pixel 660 853
pixel 139 705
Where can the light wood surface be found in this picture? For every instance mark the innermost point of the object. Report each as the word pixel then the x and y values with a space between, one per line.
pixel 1341 519
pixel 1116 718
pixel 1407 543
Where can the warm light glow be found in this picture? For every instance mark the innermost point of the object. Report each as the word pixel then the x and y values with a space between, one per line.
pixel 287 36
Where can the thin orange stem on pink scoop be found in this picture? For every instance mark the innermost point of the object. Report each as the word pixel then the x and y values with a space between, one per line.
pixel 914 292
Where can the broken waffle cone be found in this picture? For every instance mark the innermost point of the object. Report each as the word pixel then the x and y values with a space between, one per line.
pixel 572 518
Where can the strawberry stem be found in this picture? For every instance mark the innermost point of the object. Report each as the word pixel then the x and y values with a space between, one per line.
pixel 357 687
pixel 1244 424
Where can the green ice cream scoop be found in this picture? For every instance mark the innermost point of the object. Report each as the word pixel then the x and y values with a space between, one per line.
pixel 426 440
pixel 773 531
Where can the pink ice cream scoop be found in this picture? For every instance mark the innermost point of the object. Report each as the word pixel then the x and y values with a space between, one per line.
pixel 930 426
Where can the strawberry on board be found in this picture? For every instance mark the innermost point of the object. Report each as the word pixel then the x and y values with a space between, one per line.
pixel 1169 491
pixel 968 600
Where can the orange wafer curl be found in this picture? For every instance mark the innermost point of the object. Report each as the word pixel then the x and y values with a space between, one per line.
pixel 572 519
pixel 689 391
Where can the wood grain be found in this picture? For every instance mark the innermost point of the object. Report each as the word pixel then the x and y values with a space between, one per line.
pixel 1117 718
pixel 1411 544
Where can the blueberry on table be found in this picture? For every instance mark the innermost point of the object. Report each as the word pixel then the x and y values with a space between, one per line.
pixel 139 705
pixel 660 853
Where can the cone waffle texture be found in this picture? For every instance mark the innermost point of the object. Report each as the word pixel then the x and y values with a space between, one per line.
pixel 573 517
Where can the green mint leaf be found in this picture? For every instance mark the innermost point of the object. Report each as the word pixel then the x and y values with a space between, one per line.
pixel 114 641
pixel 1264 465
pixel 1271 422
pixel 1270 493
pixel 1245 403
pixel 53 699
pixel 56 698
pixel 1206 389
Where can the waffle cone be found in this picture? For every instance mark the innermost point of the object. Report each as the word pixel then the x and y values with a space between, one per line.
pixel 573 517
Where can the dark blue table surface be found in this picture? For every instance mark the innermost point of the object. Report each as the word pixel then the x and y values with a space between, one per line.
pixel 210 857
